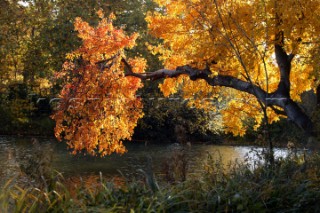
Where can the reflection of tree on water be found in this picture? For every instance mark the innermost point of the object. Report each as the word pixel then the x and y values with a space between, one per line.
pixel 20 158
pixel 175 165
pixel 28 162
pixel 37 166
pixel 10 168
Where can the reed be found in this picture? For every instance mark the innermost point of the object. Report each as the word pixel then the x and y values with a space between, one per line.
pixel 292 185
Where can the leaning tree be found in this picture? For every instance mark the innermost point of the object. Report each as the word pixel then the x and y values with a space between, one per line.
pixel 261 53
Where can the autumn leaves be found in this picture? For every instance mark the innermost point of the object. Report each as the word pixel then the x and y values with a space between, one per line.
pixel 99 107
pixel 192 33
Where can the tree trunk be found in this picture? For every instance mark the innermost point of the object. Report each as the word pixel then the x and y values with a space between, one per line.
pixel 318 96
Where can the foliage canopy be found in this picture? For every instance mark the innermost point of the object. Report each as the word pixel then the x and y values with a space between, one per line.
pixel 264 50
pixel 99 107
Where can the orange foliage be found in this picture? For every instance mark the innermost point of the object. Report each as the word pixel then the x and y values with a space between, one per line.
pixel 99 107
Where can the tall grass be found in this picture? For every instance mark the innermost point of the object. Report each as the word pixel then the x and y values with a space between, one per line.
pixel 292 185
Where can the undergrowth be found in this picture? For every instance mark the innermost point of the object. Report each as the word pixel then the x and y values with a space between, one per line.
pixel 291 185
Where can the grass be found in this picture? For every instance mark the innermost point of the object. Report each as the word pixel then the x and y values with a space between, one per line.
pixel 291 185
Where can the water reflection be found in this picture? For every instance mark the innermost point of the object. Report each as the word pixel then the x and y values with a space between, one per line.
pixel 8 163
pixel 15 151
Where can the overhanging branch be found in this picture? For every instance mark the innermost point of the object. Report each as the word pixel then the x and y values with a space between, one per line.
pixel 162 73
pixel 195 74
pixel 272 100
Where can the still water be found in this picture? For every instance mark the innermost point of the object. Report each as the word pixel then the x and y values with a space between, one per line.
pixel 15 151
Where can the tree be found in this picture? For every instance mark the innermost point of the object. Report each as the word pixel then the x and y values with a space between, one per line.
pixel 12 33
pixel 99 107
pixel 263 50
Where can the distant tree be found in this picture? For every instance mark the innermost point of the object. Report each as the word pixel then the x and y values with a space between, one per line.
pixel 12 33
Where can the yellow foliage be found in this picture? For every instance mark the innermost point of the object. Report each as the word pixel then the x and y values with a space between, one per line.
pixel 240 36
pixel 100 108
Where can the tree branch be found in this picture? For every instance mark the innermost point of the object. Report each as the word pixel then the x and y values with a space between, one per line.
pixel 290 108
pixel 165 73
pixel 195 74
pixel 284 64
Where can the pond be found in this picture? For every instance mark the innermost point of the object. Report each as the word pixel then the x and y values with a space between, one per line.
pixel 15 152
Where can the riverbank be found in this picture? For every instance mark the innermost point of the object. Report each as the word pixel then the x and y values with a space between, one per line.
pixel 281 133
pixel 291 185
pixel 37 126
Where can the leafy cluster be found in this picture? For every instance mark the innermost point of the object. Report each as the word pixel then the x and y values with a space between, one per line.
pixel 99 105
pixel 236 38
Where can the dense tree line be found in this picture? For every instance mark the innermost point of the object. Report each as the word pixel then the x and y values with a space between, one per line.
pixel 35 37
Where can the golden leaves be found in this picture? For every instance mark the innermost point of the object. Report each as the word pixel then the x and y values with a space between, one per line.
pixel 239 35
pixel 101 42
pixel 100 13
pixel 138 64
pixel 303 79
pixel 99 107
pixel 168 87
